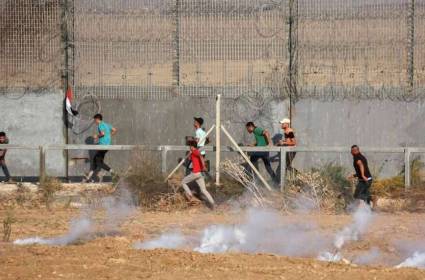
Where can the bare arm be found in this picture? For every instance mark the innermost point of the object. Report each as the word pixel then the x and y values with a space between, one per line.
pixel 113 131
pixel 266 134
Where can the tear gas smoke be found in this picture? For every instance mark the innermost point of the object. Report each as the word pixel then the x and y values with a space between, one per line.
pixel 117 209
pixel 171 240
pixel 78 229
pixel 416 260
pixel 262 231
pixel 368 257
pixel 361 220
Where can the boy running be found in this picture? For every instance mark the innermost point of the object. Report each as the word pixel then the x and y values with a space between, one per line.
pixel 198 165
pixel 103 137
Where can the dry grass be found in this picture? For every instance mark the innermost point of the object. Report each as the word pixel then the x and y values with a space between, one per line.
pixel 22 195
pixel 146 183
pixel 48 188
pixel 8 221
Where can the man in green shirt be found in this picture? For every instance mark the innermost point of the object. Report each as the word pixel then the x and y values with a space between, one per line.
pixel 262 139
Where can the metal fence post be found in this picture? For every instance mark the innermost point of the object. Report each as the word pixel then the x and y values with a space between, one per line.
pixel 42 163
pixel 282 168
pixel 176 62
pixel 411 45
pixel 217 139
pixel 407 174
pixel 164 151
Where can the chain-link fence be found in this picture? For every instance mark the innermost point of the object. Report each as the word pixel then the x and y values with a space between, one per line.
pixel 30 44
pixel 159 49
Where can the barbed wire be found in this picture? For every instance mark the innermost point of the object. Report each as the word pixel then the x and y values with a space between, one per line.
pixel 125 49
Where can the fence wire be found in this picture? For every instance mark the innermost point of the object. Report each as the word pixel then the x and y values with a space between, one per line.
pixel 159 49
pixel 30 45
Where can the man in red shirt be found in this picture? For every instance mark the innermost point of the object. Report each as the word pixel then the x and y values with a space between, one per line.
pixel 198 166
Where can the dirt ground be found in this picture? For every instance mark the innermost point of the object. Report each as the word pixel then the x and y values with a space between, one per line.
pixel 113 257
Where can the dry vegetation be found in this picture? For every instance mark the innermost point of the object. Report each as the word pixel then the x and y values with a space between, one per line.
pixel 47 190
pixel 8 221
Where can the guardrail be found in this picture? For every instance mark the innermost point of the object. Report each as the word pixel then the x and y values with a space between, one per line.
pixel 164 149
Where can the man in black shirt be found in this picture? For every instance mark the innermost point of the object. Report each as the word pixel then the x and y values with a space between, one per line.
pixel 362 174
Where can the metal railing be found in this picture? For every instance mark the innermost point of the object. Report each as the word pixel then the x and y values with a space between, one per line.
pixel 164 149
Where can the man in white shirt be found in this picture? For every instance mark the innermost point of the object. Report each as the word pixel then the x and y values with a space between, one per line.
pixel 200 134
pixel 200 139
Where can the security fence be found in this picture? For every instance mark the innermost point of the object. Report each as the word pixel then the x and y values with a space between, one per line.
pixel 159 49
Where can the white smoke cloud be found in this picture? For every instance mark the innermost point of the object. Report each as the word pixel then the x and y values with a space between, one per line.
pixel 78 228
pixel 329 257
pixel 262 231
pixel 117 209
pixel 362 218
pixel 368 257
pixel 416 260
pixel 171 240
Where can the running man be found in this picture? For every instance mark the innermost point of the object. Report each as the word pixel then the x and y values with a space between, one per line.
pixel 200 134
pixel 103 137
pixel 362 174
pixel 262 139
pixel 288 141
pixel 4 140
pixel 198 165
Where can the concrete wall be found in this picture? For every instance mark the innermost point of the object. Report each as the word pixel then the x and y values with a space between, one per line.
pixel 338 123
pixel 169 121
pixel 33 119
pixel 36 119
pixel 374 123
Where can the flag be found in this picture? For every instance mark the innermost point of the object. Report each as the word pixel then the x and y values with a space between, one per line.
pixel 68 102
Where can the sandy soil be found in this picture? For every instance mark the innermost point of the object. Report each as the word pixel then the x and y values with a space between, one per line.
pixel 113 257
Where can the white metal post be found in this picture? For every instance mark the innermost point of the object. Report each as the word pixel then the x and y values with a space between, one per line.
pixel 217 139
pixel 164 151
pixel 282 170
pixel 407 174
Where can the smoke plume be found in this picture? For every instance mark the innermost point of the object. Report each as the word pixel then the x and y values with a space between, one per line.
pixel 416 260
pixel 362 217
pixel 171 240
pixel 116 210
pixel 262 231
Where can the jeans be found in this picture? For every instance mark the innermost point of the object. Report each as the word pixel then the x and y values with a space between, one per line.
pixel 363 191
pixel 201 183
pixel 264 156
pixel 5 170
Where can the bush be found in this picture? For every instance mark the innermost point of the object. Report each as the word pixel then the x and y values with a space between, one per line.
pixel 8 221
pixel 145 180
pixel 48 188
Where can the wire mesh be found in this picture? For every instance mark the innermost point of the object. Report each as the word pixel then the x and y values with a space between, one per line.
pixel 30 44
pixel 352 48
pixel 158 49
